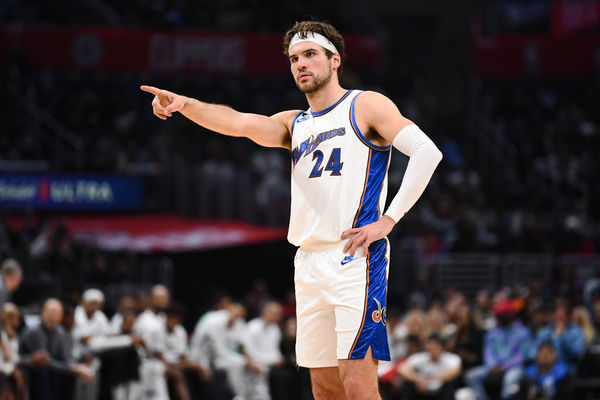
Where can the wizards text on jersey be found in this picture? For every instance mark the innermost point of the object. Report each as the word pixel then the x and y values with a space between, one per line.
pixel 310 144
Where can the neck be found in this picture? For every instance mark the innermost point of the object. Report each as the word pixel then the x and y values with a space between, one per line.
pixel 326 96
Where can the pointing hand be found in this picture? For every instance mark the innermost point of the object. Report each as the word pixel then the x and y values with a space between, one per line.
pixel 165 103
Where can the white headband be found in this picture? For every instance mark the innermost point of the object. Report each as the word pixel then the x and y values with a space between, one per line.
pixel 313 37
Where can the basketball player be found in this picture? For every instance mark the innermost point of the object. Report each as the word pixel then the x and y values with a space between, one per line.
pixel 340 149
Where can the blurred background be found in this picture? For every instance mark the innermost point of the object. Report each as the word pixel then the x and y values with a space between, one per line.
pixel 96 192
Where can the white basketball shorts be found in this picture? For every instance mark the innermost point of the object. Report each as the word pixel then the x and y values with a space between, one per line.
pixel 340 304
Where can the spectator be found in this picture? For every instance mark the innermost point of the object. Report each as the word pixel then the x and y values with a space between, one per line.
pixel 46 357
pixel 547 378
pixel 175 352
pixel 261 344
pixel 219 335
pixel 93 336
pixel 11 276
pixel 151 323
pixel 567 337
pixel 151 327
pixel 582 318
pixel 126 386
pixel 90 322
pixel 504 352
pixel 126 304
pixel 12 385
pixel 482 314
pixel 431 374
pixel 390 380
pixel 467 341
pixel 437 322
pixel 414 325
pixel 542 316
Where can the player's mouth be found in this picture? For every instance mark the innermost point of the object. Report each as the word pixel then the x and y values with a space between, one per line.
pixel 303 75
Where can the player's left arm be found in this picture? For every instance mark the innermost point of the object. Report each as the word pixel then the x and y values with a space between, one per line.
pixel 375 112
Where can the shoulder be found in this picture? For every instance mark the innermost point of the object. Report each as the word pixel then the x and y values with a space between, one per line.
pixel 561 369
pixel 100 316
pixel 180 331
pixel 255 322
pixel 369 101
pixel 30 332
pixel 575 329
pixel 60 330
pixel 287 117
pixel 450 358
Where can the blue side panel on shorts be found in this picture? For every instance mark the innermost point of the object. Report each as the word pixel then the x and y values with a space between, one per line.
pixel 373 331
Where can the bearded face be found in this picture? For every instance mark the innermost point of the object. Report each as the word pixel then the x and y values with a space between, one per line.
pixel 315 81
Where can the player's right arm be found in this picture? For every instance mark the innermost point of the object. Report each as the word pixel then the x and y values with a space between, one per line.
pixel 273 131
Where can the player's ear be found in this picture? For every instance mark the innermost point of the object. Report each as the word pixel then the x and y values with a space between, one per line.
pixel 336 61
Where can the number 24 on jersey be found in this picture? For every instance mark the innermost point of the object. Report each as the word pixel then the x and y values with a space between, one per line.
pixel 334 164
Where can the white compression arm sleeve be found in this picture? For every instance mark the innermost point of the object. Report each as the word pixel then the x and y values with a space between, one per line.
pixel 424 158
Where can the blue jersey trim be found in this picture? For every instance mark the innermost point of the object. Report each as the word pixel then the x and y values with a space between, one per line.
pixel 294 123
pixel 368 208
pixel 331 107
pixel 359 133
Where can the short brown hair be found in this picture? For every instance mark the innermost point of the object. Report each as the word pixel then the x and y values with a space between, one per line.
pixel 323 28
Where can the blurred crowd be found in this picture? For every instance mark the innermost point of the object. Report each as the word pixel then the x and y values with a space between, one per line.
pixel 509 344
pixel 532 342
pixel 71 350
pixel 229 15
pixel 538 200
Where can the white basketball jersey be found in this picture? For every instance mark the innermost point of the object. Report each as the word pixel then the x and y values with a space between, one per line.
pixel 339 178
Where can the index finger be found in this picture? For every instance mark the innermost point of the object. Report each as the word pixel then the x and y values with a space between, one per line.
pixel 150 89
pixel 349 232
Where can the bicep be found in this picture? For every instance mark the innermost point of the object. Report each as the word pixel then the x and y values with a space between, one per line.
pixel 273 131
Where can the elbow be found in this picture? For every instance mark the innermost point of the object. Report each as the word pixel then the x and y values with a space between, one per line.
pixel 435 154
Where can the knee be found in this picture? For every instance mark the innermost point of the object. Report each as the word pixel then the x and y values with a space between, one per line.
pixel 357 388
pixel 326 392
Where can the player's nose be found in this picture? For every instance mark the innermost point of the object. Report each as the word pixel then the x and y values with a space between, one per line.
pixel 301 63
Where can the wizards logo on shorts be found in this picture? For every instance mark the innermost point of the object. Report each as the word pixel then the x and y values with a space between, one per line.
pixel 379 315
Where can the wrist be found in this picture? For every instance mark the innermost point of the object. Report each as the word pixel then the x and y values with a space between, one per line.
pixel 186 102
pixel 389 220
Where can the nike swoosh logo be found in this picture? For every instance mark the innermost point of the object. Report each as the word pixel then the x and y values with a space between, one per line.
pixel 347 259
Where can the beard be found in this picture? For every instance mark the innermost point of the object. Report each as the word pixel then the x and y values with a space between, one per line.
pixel 319 81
